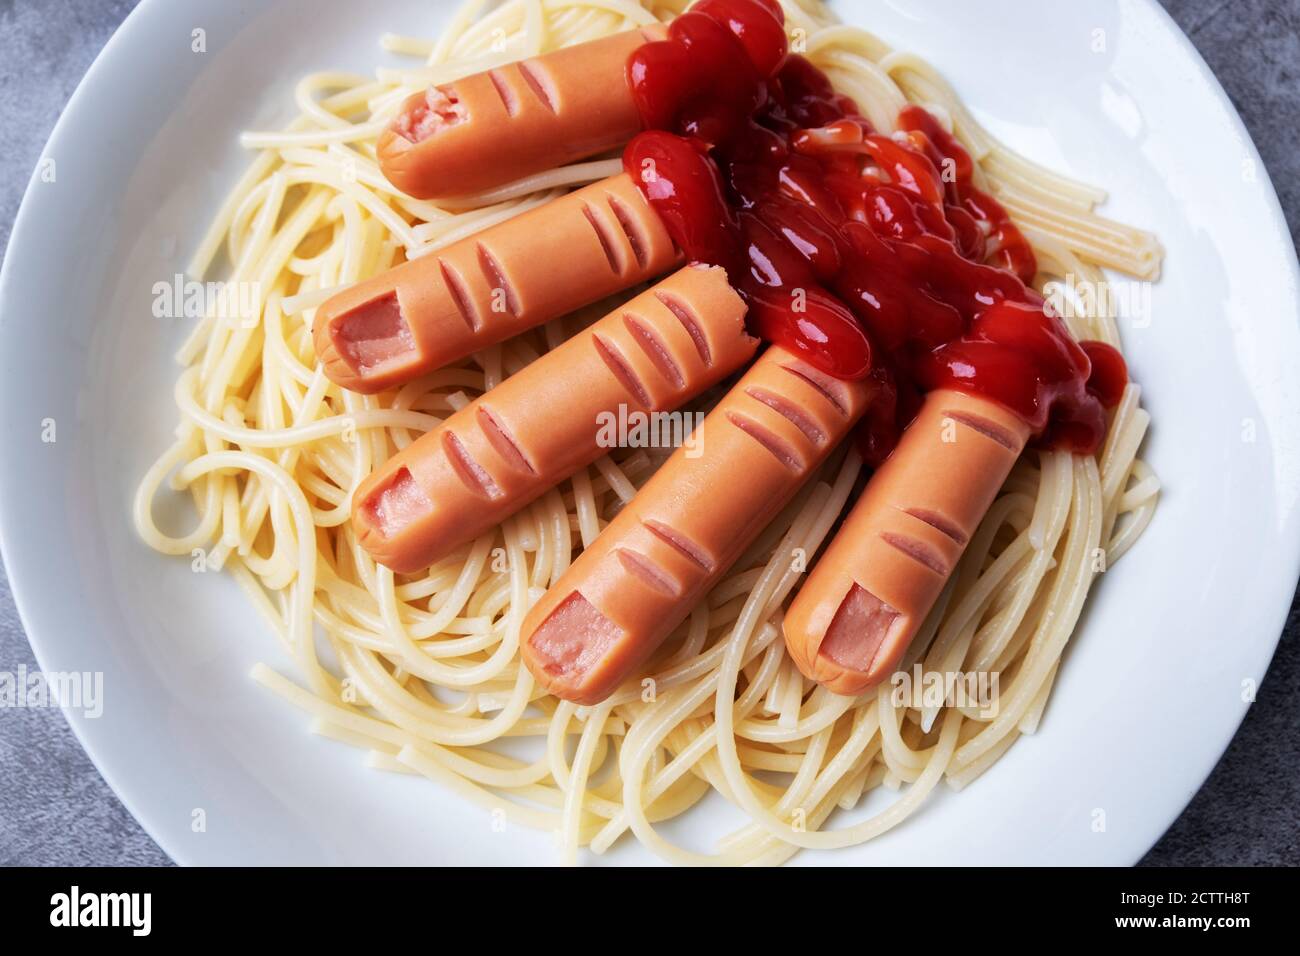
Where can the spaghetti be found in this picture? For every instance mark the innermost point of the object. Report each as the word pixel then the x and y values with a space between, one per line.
pixel 423 671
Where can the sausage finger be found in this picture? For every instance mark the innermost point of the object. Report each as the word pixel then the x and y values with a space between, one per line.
pixel 510 445
pixel 867 596
pixel 640 578
pixel 494 127
pixel 437 309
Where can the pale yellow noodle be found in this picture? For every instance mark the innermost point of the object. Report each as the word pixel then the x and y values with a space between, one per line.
pixel 422 671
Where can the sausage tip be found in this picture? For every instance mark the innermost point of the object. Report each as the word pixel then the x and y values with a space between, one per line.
pixel 565 649
pixel 861 645
pixel 384 508
pixel 365 347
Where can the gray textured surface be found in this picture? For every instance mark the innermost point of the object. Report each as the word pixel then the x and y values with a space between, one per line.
pixel 55 809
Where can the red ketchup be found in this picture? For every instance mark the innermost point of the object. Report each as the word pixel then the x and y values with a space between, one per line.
pixel 869 255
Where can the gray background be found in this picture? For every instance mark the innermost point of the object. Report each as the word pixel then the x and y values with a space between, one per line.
pixel 55 809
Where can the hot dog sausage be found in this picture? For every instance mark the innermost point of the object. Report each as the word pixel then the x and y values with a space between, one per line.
pixel 494 127
pixel 509 446
pixel 549 261
pixel 864 600
pixel 624 595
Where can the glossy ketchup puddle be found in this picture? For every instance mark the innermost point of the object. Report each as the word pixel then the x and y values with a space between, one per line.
pixel 865 254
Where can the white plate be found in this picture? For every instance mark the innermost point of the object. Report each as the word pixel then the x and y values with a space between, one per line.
pixel 1153 686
